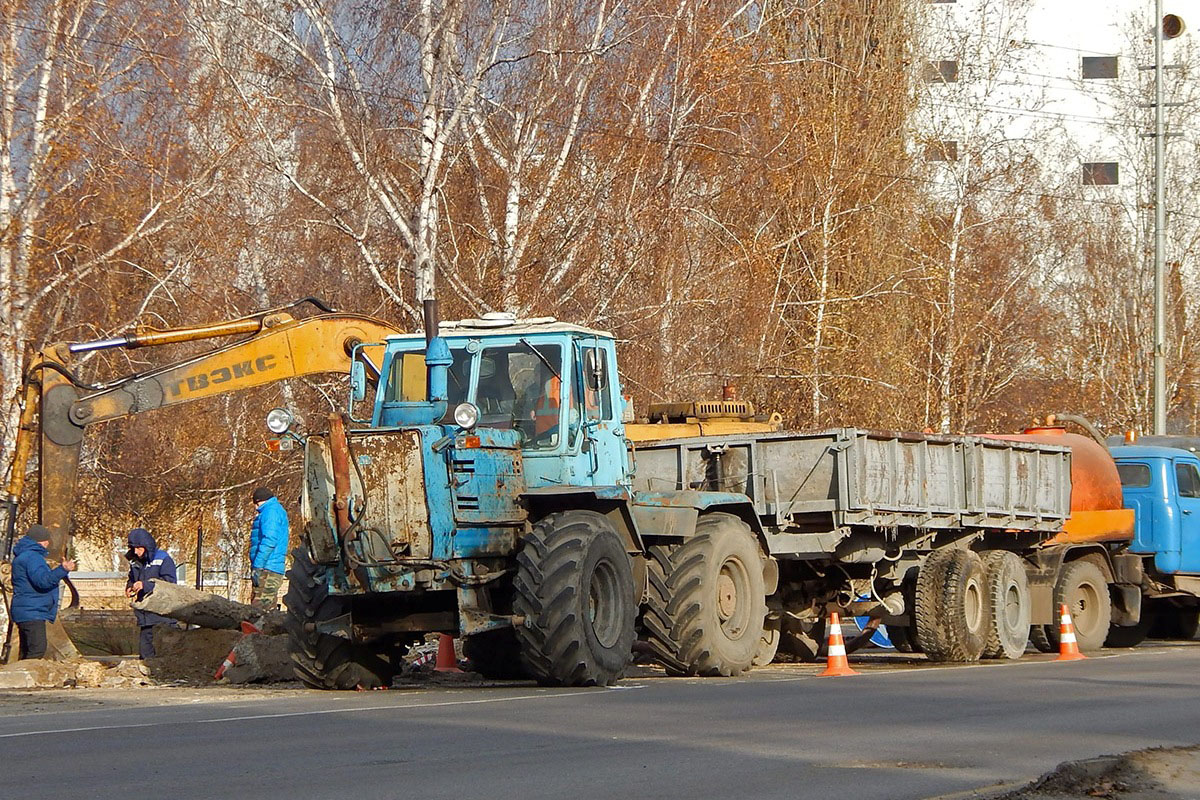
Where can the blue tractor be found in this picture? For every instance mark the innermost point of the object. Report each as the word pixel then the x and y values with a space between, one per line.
pixel 488 495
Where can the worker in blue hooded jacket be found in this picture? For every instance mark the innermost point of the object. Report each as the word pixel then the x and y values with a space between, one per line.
pixel 147 564
pixel 35 589
pixel 268 548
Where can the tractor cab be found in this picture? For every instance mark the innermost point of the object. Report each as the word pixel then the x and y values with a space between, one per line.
pixel 553 383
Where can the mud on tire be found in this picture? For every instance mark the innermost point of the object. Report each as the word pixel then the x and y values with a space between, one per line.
pixel 320 660
pixel 707 604
pixel 574 589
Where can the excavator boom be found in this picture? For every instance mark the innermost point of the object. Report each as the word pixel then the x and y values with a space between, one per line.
pixel 59 407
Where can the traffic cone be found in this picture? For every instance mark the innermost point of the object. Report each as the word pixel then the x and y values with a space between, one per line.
pixel 836 664
pixel 229 661
pixel 446 660
pixel 1068 647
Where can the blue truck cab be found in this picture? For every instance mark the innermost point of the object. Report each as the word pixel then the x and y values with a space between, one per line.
pixel 1162 486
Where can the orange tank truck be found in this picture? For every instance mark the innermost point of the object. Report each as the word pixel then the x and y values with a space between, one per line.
pixel 1097 511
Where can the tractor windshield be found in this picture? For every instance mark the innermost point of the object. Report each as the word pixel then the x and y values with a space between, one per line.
pixel 520 386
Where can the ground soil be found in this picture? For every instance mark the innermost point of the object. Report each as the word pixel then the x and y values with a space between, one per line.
pixel 190 656
pixel 1155 774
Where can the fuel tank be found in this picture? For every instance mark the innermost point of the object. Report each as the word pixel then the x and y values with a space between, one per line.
pixel 1097 513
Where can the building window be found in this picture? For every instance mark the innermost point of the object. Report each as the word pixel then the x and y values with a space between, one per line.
pixel 940 72
pixel 1099 67
pixel 1100 173
pixel 946 150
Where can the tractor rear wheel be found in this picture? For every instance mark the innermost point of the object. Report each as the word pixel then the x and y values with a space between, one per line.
pixel 707 600
pixel 574 589
pixel 322 660
pixel 768 645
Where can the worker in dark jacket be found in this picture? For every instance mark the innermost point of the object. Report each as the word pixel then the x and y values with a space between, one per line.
pixel 147 564
pixel 35 589
pixel 268 548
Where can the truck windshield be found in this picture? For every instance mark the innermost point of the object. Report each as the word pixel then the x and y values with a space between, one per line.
pixel 520 388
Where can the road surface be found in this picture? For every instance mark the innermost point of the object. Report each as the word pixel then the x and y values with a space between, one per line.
pixel 895 731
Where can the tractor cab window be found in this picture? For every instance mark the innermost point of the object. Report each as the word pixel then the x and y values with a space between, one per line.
pixel 408 378
pixel 520 387
pixel 593 376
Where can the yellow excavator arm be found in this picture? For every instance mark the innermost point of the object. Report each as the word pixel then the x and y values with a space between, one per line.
pixel 58 407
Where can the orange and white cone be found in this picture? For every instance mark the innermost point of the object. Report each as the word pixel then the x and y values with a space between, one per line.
pixel 446 660
pixel 836 663
pixel 229 661
pixel 1068 646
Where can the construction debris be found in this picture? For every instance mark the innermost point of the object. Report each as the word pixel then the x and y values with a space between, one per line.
pixel 196 607
pixel 259 658
pixel 189 655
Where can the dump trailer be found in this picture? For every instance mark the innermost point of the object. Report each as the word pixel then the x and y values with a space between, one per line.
pixel 497 492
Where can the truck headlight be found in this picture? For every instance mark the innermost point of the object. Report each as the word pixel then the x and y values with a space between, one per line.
pixel 279 420
pixel 466 415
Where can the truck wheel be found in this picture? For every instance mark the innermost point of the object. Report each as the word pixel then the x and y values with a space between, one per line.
pixel 802 639
pixel 953 613
pixel 1081 585
pixel 707 601
pixel 1175 622
pixel 1188 622
pixel 574 589
pixel 768 645
pixel 1008 595
pixel 1039 636
pixel 321 660
pixel 495 654
pixel 1130 635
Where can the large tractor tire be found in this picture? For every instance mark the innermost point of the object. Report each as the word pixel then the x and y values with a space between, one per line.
pixel 1082 587
pixel 495 654
pixel 321 660
pixel 1008 595
pixel 707 601
pixel 952 606
pixel 574 590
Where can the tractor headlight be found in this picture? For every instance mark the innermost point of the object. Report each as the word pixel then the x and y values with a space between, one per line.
pixel 279 421
pixel 466 415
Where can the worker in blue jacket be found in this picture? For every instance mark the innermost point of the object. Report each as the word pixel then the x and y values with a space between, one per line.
pixel 147 564
pixel 35 589
pixel 268 548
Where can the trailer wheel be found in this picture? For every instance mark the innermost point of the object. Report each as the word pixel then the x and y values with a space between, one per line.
pixel 574 589
pixel 1039 636
pixel 953 613
pixel 768 645
pixel 1008 593
pixel 321 660
pixel 1081 585
pixel 495 654
pixel 707 600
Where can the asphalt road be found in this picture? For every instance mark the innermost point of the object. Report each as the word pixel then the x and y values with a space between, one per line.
pixel 895 731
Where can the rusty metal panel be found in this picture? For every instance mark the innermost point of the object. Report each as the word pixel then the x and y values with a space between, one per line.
pixel 391 470
pixel 1010 481
pixel 316 506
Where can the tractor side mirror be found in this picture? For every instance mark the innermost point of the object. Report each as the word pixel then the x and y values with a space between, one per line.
pixel 358 382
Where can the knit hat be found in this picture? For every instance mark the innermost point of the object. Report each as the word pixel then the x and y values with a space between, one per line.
pixel 262 493
pixel 39 533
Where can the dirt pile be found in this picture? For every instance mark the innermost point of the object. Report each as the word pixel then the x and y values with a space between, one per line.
pixel 45 674
pixel 191 656
pixel 1160 773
